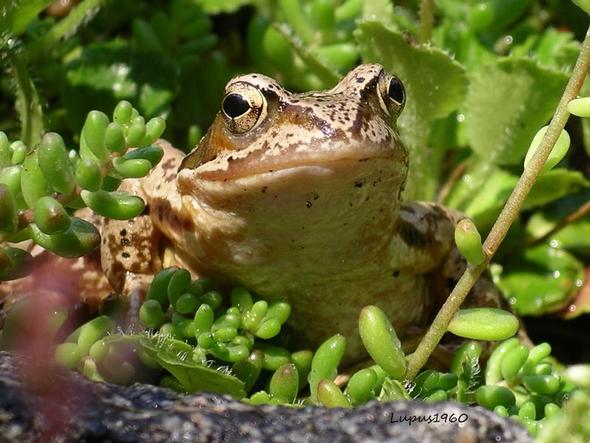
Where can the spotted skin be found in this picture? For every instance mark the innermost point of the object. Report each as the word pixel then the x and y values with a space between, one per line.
pixel 297 199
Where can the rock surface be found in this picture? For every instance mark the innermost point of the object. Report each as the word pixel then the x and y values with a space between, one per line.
pixel 64 406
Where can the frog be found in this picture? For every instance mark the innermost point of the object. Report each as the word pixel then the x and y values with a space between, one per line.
pixel 297 197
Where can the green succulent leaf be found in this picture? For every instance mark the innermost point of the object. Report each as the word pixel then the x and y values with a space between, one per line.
pixel 117 204
pixel 14 263
pixel 79 239
pixel 222 6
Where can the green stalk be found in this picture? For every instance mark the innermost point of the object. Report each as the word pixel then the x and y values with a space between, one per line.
pixel 295 16
pixel 27 103
pixel 426 20
pixel 508 215
pixel 64 27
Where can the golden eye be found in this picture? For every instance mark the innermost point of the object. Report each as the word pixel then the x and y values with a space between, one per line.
pixel 243 107
pixel 392 94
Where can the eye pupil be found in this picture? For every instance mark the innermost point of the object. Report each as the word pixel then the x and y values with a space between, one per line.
pixel 396 90
pixel 235 105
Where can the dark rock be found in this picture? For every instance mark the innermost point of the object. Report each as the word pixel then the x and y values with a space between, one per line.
pixel 48 404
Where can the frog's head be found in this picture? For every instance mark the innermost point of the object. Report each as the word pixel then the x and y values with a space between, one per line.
pixel 312 156
pixel 263 128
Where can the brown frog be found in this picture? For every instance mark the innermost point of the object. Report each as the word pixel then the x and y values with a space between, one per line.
pixel 297 197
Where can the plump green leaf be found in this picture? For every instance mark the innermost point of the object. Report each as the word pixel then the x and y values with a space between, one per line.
pixel 222 6
pixel 55 163
pixel 79 239
pixel 435 86
pixel 14 263
pixel 507 102
pixel 50 216
pixel 8 210
pixel 542 279
pixel 117 204
pixel 484 324
pixel 33 182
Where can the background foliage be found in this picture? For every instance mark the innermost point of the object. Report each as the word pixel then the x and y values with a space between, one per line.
pixel 482 78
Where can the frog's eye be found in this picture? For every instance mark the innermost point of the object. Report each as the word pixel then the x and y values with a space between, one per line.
pixel 243 107
pixel 396 91
pixel 392 94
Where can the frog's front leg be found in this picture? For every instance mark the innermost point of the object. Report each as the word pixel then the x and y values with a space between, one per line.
pixel 427 231
pixel 130 253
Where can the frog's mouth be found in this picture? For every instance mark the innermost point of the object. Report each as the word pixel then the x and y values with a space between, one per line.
pixel 231 166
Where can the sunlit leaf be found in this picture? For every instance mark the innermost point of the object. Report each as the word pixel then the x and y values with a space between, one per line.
pixel 506 104
pixel 435 86
pixel 541 280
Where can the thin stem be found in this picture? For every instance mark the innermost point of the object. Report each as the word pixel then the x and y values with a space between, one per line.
pixel 426 20
pixel 579 213
pixel 27 103
pixel 456 174
pixel 65 27
pixel 508 215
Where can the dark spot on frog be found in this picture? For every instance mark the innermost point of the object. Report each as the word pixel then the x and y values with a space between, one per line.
pixel 264 188
pixel 395 273
pixel 125 242
pixel 411 235
pixel 123 232
pixel 308 204
pixel 177 220
pixel 168 164
pixel 125 255
pixel 359 183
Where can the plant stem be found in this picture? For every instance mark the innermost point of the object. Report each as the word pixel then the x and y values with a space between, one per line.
pixel 426 20
pixel 65 27
pixel 27 103
pixel 578 214
pixel 508 215
pixel 456 174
